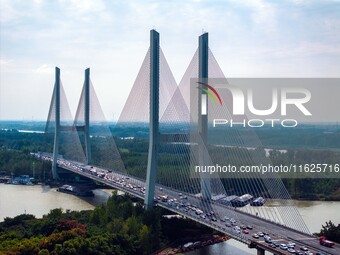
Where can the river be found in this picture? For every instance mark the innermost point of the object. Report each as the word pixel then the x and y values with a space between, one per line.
pixel 39 200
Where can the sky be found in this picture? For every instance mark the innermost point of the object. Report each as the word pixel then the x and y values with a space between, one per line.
pixel 255 38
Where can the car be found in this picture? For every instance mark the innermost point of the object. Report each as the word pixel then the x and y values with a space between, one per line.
pixel 233 223
pixel 243 227
pixel 249 227
pixel 272 245
pixel 290 246
pixel 228 224
pixel 255 236
pixel 291 250
pixel 213 218
pixel 283 247
pixel 268 240
pixel 260 234
pixel 245 231
pixel 298 253
pixel 291 243
pixel 303 248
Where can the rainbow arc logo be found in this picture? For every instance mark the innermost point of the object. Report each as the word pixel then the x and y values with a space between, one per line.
pixel 213 95
pixel 211 92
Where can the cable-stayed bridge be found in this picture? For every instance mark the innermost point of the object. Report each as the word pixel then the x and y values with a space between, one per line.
pixel 177 125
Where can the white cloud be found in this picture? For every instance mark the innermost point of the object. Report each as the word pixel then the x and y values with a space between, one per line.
pixel 45 69
pixel 5 62
pixel 263 14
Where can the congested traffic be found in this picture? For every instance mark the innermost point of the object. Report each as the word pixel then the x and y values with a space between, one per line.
pixel 220 217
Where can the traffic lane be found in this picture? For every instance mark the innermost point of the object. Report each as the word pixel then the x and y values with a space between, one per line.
pixel 279 233
pixel 236 215
pixel 288 235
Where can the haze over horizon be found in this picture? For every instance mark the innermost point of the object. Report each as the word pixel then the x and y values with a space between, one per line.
pixel 291 38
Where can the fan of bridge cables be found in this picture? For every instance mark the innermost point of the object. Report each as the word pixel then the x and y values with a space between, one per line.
pixel 132 127
pixel 182 148
pixel 242 146
pixel 179 150
pixel 70 146
pixel 104 152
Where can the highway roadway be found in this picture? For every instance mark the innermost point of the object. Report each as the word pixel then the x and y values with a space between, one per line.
pixel 227 220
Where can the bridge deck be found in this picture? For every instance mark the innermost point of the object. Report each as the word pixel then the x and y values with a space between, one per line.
pixel 134 186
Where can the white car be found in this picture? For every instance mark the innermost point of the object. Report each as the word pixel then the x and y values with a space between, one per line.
pixel 283 247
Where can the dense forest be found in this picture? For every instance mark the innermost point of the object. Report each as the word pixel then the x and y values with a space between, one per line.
pixel 117 227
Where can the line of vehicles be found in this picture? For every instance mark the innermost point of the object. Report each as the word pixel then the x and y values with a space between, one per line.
pixel 189 205
pixel 238 228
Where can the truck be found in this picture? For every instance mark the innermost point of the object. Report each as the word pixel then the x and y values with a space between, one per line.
pixel 325 242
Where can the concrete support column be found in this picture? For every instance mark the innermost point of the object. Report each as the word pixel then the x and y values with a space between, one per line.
pixel 260 251
pixel 57 124
pixel 203 53
pixel 154 120
pixel 87 116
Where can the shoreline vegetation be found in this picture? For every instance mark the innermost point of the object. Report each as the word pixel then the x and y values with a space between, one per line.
pixel 119 226
pixel 15 159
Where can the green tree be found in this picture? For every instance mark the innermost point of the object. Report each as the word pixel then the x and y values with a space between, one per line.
pixel 145 240
pixel 44 252
pixel 330 231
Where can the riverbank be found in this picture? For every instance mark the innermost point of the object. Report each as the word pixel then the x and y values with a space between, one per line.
pixel 39 200
pixel 332 196
pixel 184 246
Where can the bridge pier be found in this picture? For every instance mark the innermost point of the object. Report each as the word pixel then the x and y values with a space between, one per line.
pixel 154 120
pixel 260 251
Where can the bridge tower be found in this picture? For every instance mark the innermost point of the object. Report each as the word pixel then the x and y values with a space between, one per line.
pixel 203 53
pixel 87 116
pixel 58 127
pixel 154 120
pixel 56 95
